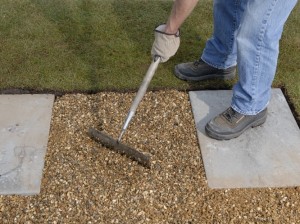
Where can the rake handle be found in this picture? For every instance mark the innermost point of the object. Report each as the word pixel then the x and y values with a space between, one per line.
pixel 140 94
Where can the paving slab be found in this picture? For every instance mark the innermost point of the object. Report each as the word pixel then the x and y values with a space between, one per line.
pixel 24 130
pixel 265 156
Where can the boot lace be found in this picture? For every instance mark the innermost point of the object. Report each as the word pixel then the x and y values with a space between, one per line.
pixel 198 62
pixel 231 115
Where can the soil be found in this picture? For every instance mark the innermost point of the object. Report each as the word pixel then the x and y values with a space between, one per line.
pixel 85 182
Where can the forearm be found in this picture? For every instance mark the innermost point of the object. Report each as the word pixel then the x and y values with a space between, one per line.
pixel 180 11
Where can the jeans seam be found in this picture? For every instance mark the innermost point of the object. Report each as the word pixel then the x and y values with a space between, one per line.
pixel 233 27
pixel 258 48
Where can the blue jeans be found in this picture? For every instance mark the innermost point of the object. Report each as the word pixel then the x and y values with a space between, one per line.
pixel 247 34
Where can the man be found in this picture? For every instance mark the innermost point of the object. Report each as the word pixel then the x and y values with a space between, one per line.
pixel 246 35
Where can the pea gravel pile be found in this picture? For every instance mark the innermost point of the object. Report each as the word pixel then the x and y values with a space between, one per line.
pixel 84 182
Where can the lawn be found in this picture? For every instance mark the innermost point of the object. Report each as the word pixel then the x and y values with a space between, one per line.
pixel 90 46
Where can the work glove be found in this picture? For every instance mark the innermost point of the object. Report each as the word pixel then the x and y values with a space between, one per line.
pixel 165 45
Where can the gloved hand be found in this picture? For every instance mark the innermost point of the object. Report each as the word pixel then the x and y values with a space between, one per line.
pixel 165 45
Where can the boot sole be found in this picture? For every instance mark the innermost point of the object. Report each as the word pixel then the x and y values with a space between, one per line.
pixel 206 77
pixel 237 134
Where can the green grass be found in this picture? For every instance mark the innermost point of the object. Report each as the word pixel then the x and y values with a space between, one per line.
pixel 89 45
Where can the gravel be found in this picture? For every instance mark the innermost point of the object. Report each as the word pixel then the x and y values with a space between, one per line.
pixel 84 182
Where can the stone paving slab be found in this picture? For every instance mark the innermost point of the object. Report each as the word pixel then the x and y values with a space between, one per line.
pixel 24 130
pixel 265 156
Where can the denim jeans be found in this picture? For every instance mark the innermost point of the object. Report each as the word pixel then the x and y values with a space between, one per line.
pixel 247 34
